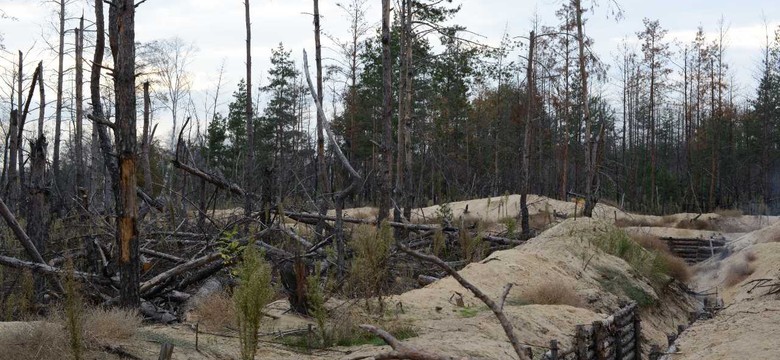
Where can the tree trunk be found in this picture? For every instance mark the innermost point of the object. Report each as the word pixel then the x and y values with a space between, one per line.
pixel 250 137
pixel 58 106
pixel 321 179
pixel 146 142
pixel 525 156
pixel 123 36
pixel 590 159
pixel 37 216
pixel 79 141
pixel 386 172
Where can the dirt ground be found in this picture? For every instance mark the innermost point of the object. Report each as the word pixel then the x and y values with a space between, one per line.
pixel 561 256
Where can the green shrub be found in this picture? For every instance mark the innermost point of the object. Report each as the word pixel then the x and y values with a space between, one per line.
pixel 370 265
pixel 253 293
pixel 74 312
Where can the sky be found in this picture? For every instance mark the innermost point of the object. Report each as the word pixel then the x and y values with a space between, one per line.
pixel 216 28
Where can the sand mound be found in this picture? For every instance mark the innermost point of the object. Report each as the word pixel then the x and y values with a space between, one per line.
pixel 561 257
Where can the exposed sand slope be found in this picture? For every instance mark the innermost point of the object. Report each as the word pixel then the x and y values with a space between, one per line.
pixel 749 326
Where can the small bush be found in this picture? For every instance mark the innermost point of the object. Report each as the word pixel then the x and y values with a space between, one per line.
pixel 253 293
pixel 552 293
pixel 370 265
pixel 673 266
pixel 738 272
pixel 216 312
pixel 511 225
pixel 471 247
pixel 108 325
pixel 649 242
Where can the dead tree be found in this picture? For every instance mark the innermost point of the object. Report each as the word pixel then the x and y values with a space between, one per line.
pixel 386 172
pixel 353 174
pixel 38 209
pixel 80 192
pixel 58 106
pixel 403 177
pixel 249 163
pixel 525 156
pixel 591 173
pixel 145 142
pixel 322 173
pixel 123 46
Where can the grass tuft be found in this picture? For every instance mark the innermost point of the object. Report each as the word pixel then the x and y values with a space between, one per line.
pixel 552 293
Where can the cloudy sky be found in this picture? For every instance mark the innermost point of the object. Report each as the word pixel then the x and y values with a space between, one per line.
pixel 216 28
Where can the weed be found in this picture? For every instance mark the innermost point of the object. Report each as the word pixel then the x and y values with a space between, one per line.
pixel 73 312
pixel 444 214
pixel 617 283
pixel 107 325
pixel 253 293
pixel 468 312
pixel 216 312
pixel 511 225
pixel 439 243
pixel 370 264
pixel 552 293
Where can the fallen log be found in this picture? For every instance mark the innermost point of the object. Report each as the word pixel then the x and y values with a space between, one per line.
pixel 50 270
pixel 424 280
pixel 155 284
pixel 312 218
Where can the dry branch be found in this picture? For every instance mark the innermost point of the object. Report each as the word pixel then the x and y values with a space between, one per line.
pixel 520 350
pixel 49 270
pixel 154 284
pixel 401 350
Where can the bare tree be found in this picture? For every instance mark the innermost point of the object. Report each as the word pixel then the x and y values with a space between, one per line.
pixel 322 173
pixel 250 137
pixel 525 154
pixel 79 141
pixel 122 32
pixel 386 173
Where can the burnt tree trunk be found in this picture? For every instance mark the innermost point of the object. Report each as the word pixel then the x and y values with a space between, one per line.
pixel 38 214
pixel 386 165
pixel 591 198
pixel 249 164
pixel 79 141
pixel 58 106
pixel 525 156
pixel 123 46
pixel 145 142
pixel 322 174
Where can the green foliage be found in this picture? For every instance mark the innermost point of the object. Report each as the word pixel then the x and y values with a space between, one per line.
pixel 444 214
pixel 649 263
pixel 617 283
pixel 468 312
pixel 253 293
pixel 315 295
pixel 511 225
pixel 74 312
pixel 370 265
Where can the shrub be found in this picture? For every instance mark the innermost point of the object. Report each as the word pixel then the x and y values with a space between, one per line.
pixel 673 266
pixel 107 325
pixel 316 298
pixel 370 265
pixel 216 312
pixel 738 272
pixel 650 242
pixel 552 293
pixel 253 293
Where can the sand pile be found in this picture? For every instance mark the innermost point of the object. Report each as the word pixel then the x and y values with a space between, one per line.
pixel 748 325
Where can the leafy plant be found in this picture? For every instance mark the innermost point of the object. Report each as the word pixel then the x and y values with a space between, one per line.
pixel 253 293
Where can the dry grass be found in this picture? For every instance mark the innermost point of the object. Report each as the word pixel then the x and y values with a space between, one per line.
pixel 35 340
pixel 750 256
pixel 633 222
pixel 650 242
pixel 216 312
pixel 108 325
pixel 736 273
pixel 552 293
pixel 674 267
pixel 696 224
pixel 729 212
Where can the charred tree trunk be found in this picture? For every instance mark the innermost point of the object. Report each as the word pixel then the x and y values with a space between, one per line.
pixel 58 106
pixel 525 156
pixel 386 172
pixel 323 188
pixel 79 141
pixel 146 142
pixel 123 45
pixel 249 164
pixel 37 216
pixel 591 197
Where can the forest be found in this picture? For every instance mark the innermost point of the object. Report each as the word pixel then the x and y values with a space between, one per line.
pixel 363 174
